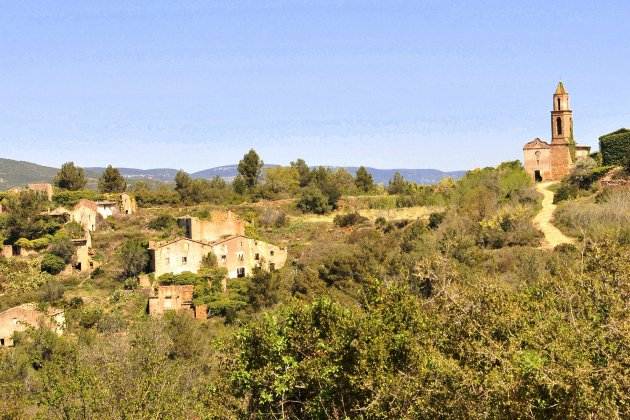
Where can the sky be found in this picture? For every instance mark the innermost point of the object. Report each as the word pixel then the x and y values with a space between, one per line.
pixel 389 84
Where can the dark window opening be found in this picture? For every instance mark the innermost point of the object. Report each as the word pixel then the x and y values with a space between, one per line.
pixel 559 125
pixel 2 342
pixel 272 267
pixel 257 257
pixel 240 272
pixel 184 260
pixel 558 103
pixel 538 176
pixel 271 253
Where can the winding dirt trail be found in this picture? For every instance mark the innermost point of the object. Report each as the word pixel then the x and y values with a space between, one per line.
pixel 542 221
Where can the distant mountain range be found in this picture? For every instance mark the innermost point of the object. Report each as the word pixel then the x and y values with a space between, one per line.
pixel 15 173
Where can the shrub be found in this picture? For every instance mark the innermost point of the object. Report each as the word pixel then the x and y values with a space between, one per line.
pixel 134 257
pixel 313 200
pixel 436 219
pixel 615 147
pixel 51 292
pixel 62 248
pixel 52 264
pixel 273 218
pixel 349 219
pixel 162 222
pixel 90 317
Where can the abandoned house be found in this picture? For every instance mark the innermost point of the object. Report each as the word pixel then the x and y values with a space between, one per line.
pixel 20 318
pixel 171 298
pixel 85 213
pixel 224 237
pixel 219 226
pixel 107 208
pixel 553 161
pixel 125 204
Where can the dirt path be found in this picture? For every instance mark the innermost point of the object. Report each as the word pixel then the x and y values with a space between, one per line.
pixel 542 221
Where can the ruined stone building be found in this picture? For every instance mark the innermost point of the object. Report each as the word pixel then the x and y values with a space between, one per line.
pixel 171 298
pixel 19 318
pixel 232 249
pixel 125 204
pixel 553 161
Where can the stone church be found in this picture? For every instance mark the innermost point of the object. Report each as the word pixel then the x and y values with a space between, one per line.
pixel 553 161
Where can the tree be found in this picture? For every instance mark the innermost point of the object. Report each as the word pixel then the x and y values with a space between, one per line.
pixel 250 168
pixel 397 185
pixel 364 180
pixel 134 257
pixel 70 177
pixel 111 181
pixel 282 179
pixel 313 200
pixel 304 172
pixel 183 183
pixel 239 185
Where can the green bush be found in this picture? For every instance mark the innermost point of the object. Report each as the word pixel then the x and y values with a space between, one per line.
pixel 313 200
pixel 62 248
pixel 162 222
pixel 52 264
pixel 350 219
pixel 615 147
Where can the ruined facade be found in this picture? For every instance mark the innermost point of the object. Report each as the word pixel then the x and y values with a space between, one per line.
pixel 553 161
pixel 19 318
pixel 219 226
pixel 171 298
pixel 224 237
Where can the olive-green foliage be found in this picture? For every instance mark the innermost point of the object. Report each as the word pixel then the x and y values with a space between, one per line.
pixel 350 219
pixel 162 222
pixel 111 181
pixel 134 257
pixel 313 200
pixel 70 177
pixel 20 276
pixel 363 179
pixel 24 218
pixel 52 264
pixel 69 199
pixel 150 195
pixel 615 147
pixel 62 248
pixel 201 190
pixel 250 168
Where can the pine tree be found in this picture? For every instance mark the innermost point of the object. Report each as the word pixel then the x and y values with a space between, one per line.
pixel 70 177
pixel 364 180
pixel 111 181
pixel 250 168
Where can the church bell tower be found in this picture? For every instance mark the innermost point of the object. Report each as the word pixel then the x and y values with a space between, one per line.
pixel 561 134
pixel 561 117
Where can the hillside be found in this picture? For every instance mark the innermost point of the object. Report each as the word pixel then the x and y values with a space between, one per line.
pixel 14 173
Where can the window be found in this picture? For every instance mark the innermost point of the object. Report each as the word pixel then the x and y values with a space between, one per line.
pixel 558 103
pixel 559 125
pixel 223 258
pixel 272 252
pixel 257 256
pixel 272 267
pixel 2 342
pixel 240 272
pixel 184 260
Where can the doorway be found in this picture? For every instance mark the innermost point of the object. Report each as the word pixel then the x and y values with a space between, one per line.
pixel 537 176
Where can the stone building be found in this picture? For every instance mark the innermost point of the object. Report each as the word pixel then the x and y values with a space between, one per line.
pixel 171 298
pixel 19 318
pixel 128 204
pixel 553 161
pixel 224 237
pixel 219 226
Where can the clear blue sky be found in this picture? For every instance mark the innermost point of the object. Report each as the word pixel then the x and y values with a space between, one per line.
pixel 194 84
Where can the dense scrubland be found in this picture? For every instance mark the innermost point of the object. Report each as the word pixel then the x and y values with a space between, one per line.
pixel 442 306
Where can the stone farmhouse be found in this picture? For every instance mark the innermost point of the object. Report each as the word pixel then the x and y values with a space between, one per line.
pixel 224 237
pixel 553 161
pixel 20 318
pixel 178 298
